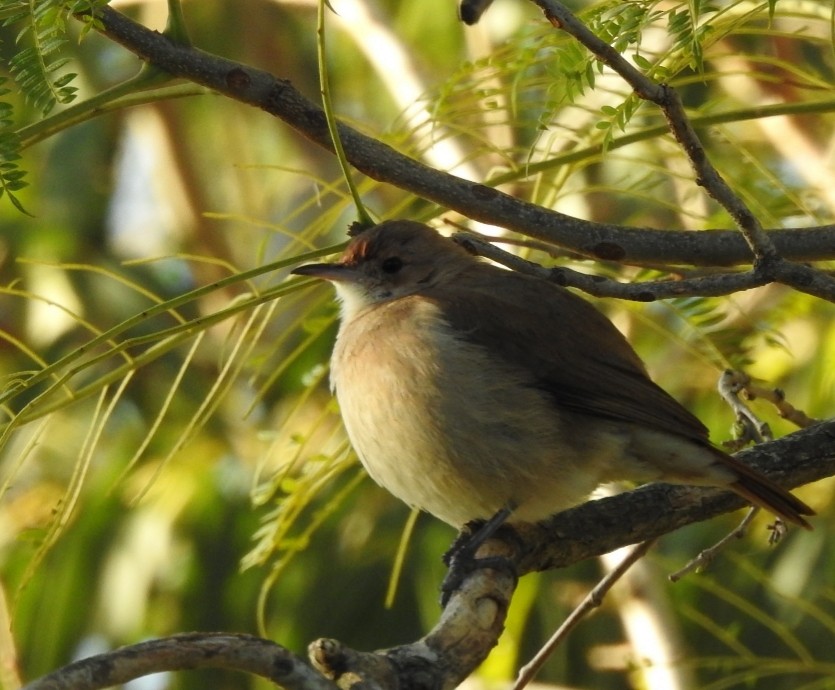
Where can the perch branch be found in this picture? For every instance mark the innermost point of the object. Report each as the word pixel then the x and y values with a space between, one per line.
pixel 472 622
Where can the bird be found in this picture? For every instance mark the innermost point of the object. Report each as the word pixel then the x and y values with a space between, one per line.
pixel 469 391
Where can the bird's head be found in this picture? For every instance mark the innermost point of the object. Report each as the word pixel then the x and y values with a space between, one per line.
pixel 391 260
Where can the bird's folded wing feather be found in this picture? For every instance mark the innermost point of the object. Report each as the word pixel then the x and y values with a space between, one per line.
pixel 569 348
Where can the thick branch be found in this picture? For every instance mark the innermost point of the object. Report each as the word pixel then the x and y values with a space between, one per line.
pixel 380 162
pixel 189 651
pixel 598 527
pixel 447 655
pixel 471 624
pixel 769 264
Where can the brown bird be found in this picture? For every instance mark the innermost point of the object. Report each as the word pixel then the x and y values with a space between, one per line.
pixel 467 389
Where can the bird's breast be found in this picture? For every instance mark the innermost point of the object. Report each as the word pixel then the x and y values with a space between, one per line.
pixel 445 426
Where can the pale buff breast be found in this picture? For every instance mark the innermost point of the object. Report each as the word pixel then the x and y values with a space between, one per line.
pixel 444 428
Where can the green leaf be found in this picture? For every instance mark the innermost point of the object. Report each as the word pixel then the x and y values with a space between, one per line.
pixel 33 67
pixel 641 61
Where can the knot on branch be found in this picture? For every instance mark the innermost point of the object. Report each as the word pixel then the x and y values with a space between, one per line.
pixel 352 669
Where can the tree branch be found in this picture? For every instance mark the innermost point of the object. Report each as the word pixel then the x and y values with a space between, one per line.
pixel 769 263
pixel 601 526
pixel 188 651
pixel 667 99
pixel 473 620
pixel 479 202
pixel 724 283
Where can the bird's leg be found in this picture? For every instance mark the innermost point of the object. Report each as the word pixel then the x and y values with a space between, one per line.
pixel 474 534
pixel 460 557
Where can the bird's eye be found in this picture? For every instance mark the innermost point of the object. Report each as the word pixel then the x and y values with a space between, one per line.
pixel 392 265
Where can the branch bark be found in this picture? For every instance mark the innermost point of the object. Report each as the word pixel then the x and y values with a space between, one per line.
pixel 187 651
pixel 589 530
pixel 473 620
pixel 482 203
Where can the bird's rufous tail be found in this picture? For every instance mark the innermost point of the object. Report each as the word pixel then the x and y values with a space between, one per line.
pixel 760 491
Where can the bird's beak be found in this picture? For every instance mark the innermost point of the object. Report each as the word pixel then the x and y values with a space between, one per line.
pixel 338 273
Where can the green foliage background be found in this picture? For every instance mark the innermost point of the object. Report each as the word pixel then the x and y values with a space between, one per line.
pixel 165 409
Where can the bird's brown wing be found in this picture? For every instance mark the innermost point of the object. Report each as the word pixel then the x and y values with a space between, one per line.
pixel 568 347
pixel 573 352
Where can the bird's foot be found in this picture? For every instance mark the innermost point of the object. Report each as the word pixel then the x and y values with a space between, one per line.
pixel 463 564
pixel 461 559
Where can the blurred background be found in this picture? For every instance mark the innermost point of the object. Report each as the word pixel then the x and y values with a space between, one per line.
pixel 171 458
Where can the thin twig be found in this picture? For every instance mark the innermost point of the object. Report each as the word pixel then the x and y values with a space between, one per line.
pixel 592 601
pixel 667 99
pixel 707 556
pixel 723 283
pixel 734 382
pixel 753 429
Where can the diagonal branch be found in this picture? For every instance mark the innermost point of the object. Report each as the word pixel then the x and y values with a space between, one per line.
pixel 236 652
pixel 767 259
pixel 667 99
pixel 479 202
pixel 592 601
pixel 473 620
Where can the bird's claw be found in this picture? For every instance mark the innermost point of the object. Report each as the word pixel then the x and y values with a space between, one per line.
pixel 464 563
pixel 461 560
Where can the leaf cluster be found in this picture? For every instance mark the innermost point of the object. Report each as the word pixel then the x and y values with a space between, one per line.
pixel 11 175
pixel 35 66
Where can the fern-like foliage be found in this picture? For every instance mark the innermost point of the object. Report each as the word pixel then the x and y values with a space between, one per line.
pixel 11 176
pixel 36 67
